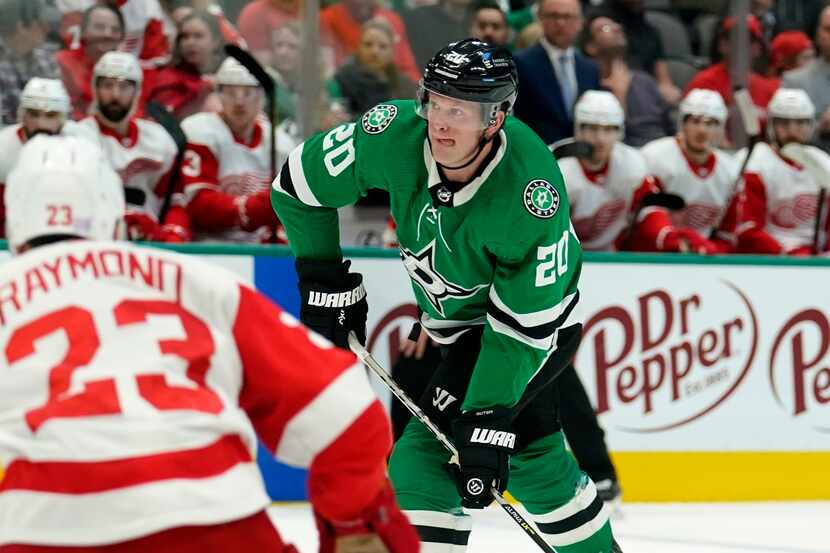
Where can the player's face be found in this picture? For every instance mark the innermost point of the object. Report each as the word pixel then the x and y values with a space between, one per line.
pixel 39 121
pixel 602 138
pixel 240 105
pixel 196 43
pixel 115 97
pixel 700 134
pixel 454 128
pixel 799 131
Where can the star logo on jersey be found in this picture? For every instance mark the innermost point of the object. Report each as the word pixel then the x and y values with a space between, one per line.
pixel 377 119
pixel 541 198
pixel 421 268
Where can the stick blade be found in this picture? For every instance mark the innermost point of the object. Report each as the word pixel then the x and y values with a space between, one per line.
pixel 251 64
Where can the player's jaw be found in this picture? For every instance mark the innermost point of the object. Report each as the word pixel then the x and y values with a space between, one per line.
pixel 452 147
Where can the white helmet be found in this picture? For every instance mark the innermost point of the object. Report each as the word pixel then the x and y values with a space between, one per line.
pixel 599 107
pixel 62 185
pixel 791 103
pixel 44 95
pixel 231 72
pixel 118 65
pixel 704 103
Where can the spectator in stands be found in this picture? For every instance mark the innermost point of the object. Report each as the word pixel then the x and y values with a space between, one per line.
pixel 102 30
pixel 647 114
pixel 259 19
pixel 184 86
pixel 371 76
pixel 764 12
pixel 553 73
pixel 790 50
pixel 716 77
pixel 815 76
pixel 177 10
pixel 434 24
pixel 144 34
pixel 802 15
pixel 645 47
pixel 489 23
pixel 342 22
pixel 23 53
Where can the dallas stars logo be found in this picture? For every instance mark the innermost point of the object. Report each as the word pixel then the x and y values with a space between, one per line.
pixel 541 198
pixel 421 268
pixel 377 119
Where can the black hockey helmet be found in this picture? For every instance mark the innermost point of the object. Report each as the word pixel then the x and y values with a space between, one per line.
pixel 474 71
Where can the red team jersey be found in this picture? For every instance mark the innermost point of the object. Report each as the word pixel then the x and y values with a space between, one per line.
pixel 144 35
pixel 144 159
pixel 219 168
pixel 780 199
pixel 707 189
pixel 134 384
pixel 601 201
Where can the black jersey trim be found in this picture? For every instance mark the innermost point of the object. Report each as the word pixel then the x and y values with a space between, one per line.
pixel 574 521
pixel 286 183
pixel 539 332
pixel 434 534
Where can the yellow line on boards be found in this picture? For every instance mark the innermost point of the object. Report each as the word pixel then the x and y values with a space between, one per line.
pixel 723 476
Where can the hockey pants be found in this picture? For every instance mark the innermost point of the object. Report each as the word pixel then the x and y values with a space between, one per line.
pixel 544 477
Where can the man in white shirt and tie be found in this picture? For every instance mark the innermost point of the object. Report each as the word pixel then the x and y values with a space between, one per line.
pixel 553 74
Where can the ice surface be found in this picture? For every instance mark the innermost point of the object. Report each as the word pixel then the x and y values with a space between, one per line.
pixel 775 527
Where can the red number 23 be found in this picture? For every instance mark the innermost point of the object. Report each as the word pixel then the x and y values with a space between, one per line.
pixel 99 397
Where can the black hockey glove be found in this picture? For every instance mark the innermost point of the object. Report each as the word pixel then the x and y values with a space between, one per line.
pixel 333 300
pixel 485 442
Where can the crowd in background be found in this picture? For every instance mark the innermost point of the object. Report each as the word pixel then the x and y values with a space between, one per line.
pixel 648 54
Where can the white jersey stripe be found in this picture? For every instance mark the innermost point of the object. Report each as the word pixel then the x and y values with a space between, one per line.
pixel 301 187
pixel 535 318
pixel 131 512
pixel 317 425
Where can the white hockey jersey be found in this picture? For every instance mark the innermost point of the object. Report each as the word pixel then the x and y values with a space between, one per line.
pixel 707 189
pixel 132 381
pixel 781 197
pixel 216 160
pixel 601 201
pixel 143 159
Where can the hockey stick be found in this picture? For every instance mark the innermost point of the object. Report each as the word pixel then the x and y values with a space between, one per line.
pixel 171 125
pixel 571 147
pixel 369 361
pixel 801 154
pixel 269 84
pixel 749 119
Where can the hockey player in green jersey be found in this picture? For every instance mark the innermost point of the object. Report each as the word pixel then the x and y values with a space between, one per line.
pixel 484 233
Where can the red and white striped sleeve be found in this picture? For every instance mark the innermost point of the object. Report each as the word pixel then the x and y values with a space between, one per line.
pixel 312 406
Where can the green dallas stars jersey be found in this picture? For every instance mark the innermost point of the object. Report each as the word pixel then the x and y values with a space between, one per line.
pixel 498 252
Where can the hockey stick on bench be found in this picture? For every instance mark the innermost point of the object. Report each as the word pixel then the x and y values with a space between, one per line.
pixel 416 411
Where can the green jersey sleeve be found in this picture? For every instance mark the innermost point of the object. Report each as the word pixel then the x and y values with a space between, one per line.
pixel 532 294
pixel 318 177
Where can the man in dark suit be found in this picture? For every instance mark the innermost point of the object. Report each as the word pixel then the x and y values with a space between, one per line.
pixel 552 74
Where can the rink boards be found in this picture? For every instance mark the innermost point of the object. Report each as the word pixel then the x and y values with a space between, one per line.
pixel 711 376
